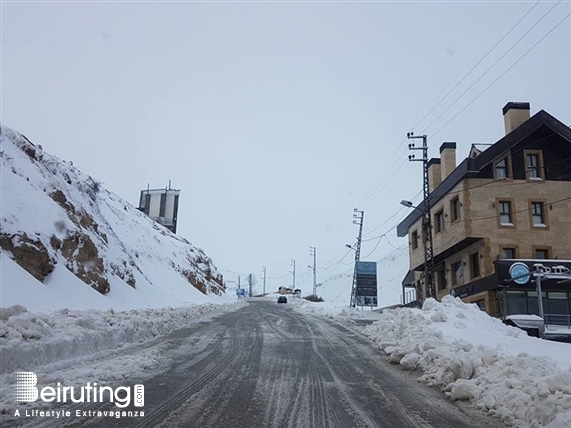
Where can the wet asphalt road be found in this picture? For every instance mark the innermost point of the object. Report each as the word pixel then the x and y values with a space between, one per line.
pixel 268 366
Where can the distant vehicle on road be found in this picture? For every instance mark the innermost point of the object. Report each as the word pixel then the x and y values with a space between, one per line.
pixel 282 299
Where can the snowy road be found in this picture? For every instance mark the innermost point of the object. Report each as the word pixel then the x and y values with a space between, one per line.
pixel 268 366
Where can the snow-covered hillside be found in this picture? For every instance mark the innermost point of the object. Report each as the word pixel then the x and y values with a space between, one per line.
pixel 67 242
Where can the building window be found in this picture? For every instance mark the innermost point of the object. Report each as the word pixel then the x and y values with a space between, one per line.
pixel 455 209
pixel 558 306
pixel 482 305
pixel 506 213
pixel 502 169
pixel 439 220
pixel 475 265
pixel 517 302
pixel 507 253
pixel 542 253
pixel 414 240
pixel 441 279
pixel 538 214
pixel 457 273
pixel 163 205
pixel 147 204
pixel 533 166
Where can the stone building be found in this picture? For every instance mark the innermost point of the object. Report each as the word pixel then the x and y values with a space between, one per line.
pixel 506 203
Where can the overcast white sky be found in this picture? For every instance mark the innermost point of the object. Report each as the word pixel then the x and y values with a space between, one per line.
pixel 275 119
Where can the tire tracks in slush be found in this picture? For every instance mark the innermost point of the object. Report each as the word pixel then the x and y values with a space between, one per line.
pixel 266 366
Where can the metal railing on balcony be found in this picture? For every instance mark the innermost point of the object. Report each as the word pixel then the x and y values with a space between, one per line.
pixel 563 320
pixel 410 299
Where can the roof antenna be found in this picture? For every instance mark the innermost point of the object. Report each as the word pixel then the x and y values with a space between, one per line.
pixel 169 184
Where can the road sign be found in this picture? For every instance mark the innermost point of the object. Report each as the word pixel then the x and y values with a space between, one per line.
pixel 366 287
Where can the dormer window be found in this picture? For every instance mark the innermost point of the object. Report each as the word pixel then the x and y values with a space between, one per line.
pixel 533 165
pixel 502 169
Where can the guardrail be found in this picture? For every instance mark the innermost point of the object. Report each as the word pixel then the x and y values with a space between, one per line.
pixel 409 299
pixel 557 319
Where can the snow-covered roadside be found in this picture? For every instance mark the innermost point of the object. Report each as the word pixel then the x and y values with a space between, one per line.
pixel 524 381
pixel 48 343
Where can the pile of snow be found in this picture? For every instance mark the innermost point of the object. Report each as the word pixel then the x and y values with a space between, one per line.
pixel 77 345
pixel 67 242
pixel 524 381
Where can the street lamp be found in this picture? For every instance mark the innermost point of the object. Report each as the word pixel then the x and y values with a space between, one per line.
pixel 409 204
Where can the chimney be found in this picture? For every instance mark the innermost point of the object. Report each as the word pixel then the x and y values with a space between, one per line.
pixel 434 174
pixel 448 159
pixel 514 115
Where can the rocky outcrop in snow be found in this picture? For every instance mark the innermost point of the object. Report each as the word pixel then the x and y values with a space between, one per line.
pixel 53 215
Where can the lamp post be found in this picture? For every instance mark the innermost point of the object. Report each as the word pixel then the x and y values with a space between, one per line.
pixel 429 290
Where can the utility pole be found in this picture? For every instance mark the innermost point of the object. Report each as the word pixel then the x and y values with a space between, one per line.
pixel 264 273
pixel 250 281
pixel 293 272
pixel 429 290
pixel 312 252
pixel 358 219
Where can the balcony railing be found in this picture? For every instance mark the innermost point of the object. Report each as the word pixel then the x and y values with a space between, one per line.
pixel 410 299
pixel 558 319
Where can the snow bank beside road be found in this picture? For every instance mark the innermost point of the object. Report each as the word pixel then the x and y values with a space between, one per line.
pixel 473 357
pixel 29 340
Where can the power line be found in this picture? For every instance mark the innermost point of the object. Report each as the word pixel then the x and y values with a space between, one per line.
pixel 518 211
pixel 449 223
pixel 492 66
pixel 396 248
pixel 477 64
pixel 334 258
pixel 378 242
pixel 500 180
pixel 501 75
pixel 374 189
pixel 527 186
pixel 386 183
pixel 383 223
pixel 505 152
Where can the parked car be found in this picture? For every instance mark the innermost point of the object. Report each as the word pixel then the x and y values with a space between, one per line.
pixel 282 299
